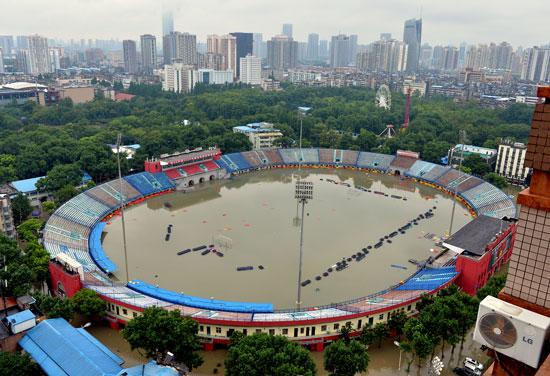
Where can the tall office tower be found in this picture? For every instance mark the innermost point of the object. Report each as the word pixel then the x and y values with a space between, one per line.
pixel 282 53
pixel 313 46
pixel 426 56
pixel 56 53
pixel 245 46
pixel 287 30
pixel 167 22
pixel 22 41
pixel 23 61
pixel 130 56
pixel 412 36
pixel 437 58
pixel 225 45
pixel 6 44
pixel 385 36
pixel 352 48
pixel 257 49
pixel 1 61
pixel 169 47
pixel 148 53
pixel 340 51
pixel 462 55
pixel 179 78
pixel 383 56
pixel 251 70
pixel 450 58
pixel 537 65
pixel 39 56
pixel 323 49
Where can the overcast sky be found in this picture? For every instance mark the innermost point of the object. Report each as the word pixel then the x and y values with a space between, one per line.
pixel 520 22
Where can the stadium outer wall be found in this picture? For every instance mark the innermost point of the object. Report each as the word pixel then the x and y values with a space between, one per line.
pixel 312 332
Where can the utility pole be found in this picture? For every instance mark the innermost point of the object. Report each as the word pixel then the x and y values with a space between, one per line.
pixel 121 201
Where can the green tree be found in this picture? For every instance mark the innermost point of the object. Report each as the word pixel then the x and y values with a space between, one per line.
pixel 49 206
pixel 8 170
pixel 37 259
pixel 381 332
pixel 496 180
pixel 345 332
pixel 158 331
pixel 60 176
pixel 54 307
pixel 16 364
pixel 477 165
pixel 21 208
pixel 28 230
pixel 493 287
pixel 262 354
pixel 343 358
pixel 87 302
pixel 367 336
pixel 419 340
pixel 396 322
pixel 65 193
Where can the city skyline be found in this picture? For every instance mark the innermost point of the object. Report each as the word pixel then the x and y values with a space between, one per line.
pixel 472 22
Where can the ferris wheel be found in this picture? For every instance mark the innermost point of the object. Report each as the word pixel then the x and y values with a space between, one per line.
pixel 383 97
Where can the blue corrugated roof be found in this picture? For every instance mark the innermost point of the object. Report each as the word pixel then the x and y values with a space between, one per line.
pixel 149 369
pixel 20 317
pixel 26 185
pixel 61 349
pixel 429 279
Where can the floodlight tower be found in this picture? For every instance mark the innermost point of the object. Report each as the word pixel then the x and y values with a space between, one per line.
pixel 121 202
pixel 302 111
pixel 303 193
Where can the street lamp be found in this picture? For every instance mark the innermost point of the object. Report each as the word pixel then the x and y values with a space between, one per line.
pixel 87 325
pixel 303 193
pixel 400 351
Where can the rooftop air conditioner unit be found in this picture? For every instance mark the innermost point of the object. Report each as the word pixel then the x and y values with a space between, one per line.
pixel 511 330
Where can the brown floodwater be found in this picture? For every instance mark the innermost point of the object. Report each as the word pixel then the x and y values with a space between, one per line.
pixel 251 219
pixel 384 361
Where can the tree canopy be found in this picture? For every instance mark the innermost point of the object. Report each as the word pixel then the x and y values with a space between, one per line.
pixel 262 354
pixel 346 358
pixel 15 364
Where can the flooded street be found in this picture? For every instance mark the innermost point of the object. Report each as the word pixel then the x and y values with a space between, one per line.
pixel 251 220
pixel 383 361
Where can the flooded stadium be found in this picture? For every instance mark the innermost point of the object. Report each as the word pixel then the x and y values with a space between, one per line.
pixel 195 242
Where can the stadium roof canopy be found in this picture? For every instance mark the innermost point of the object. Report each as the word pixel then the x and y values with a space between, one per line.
pixel 23 86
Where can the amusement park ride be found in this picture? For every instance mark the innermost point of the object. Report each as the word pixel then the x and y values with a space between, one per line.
pixel 383 100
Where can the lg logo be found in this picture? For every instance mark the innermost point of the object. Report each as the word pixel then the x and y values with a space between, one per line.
pixel 528 340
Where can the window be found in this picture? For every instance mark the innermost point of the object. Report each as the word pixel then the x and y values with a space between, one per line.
pixel 201 328
pixel 302 330
pixel 218 330
pixel 323 328
pixel 134 314
pixel 124 311
pixel 349 324
pixel 285 331
pixel 381 317
pixel 371 321
pixel 271 332
pixel 245 331
pixel 359 324
pixel 336 326
pixel 258 330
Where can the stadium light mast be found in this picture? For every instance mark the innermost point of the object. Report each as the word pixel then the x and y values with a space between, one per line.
pixel 302 111
pixel 461 139
pixel 121 201
pixel 303 193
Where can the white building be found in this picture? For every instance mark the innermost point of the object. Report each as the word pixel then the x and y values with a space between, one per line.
pixel 510 162
pixel 39 55
pixel 214 77
pixel 251 70
pixel 179 78
pixel 261 135
pixel 6 218
pixel 55 58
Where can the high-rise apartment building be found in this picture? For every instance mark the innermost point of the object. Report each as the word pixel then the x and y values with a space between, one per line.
pixel 167 22
pixel 323 49
pixel 353 38
pixel 287 29
pixel 130 56
pixel 179 78
pixel 23 61
pixel 22 41
pixel 180 47
pixel 6 43
pixel 7 227
pixel 340 51
pixel 384 56
pixel 211 60
pixel 313 46
pixel 1 61
pixel 510 162
pixel 385 36
pixel 148 53
pixel 257 47
pixel 426 52
pixel 225 45
pixel 282 53
pixel 412 36
pixel 536 64
pixel 39 55
pixel 251 70
pixel 245 46
pixel 56 53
